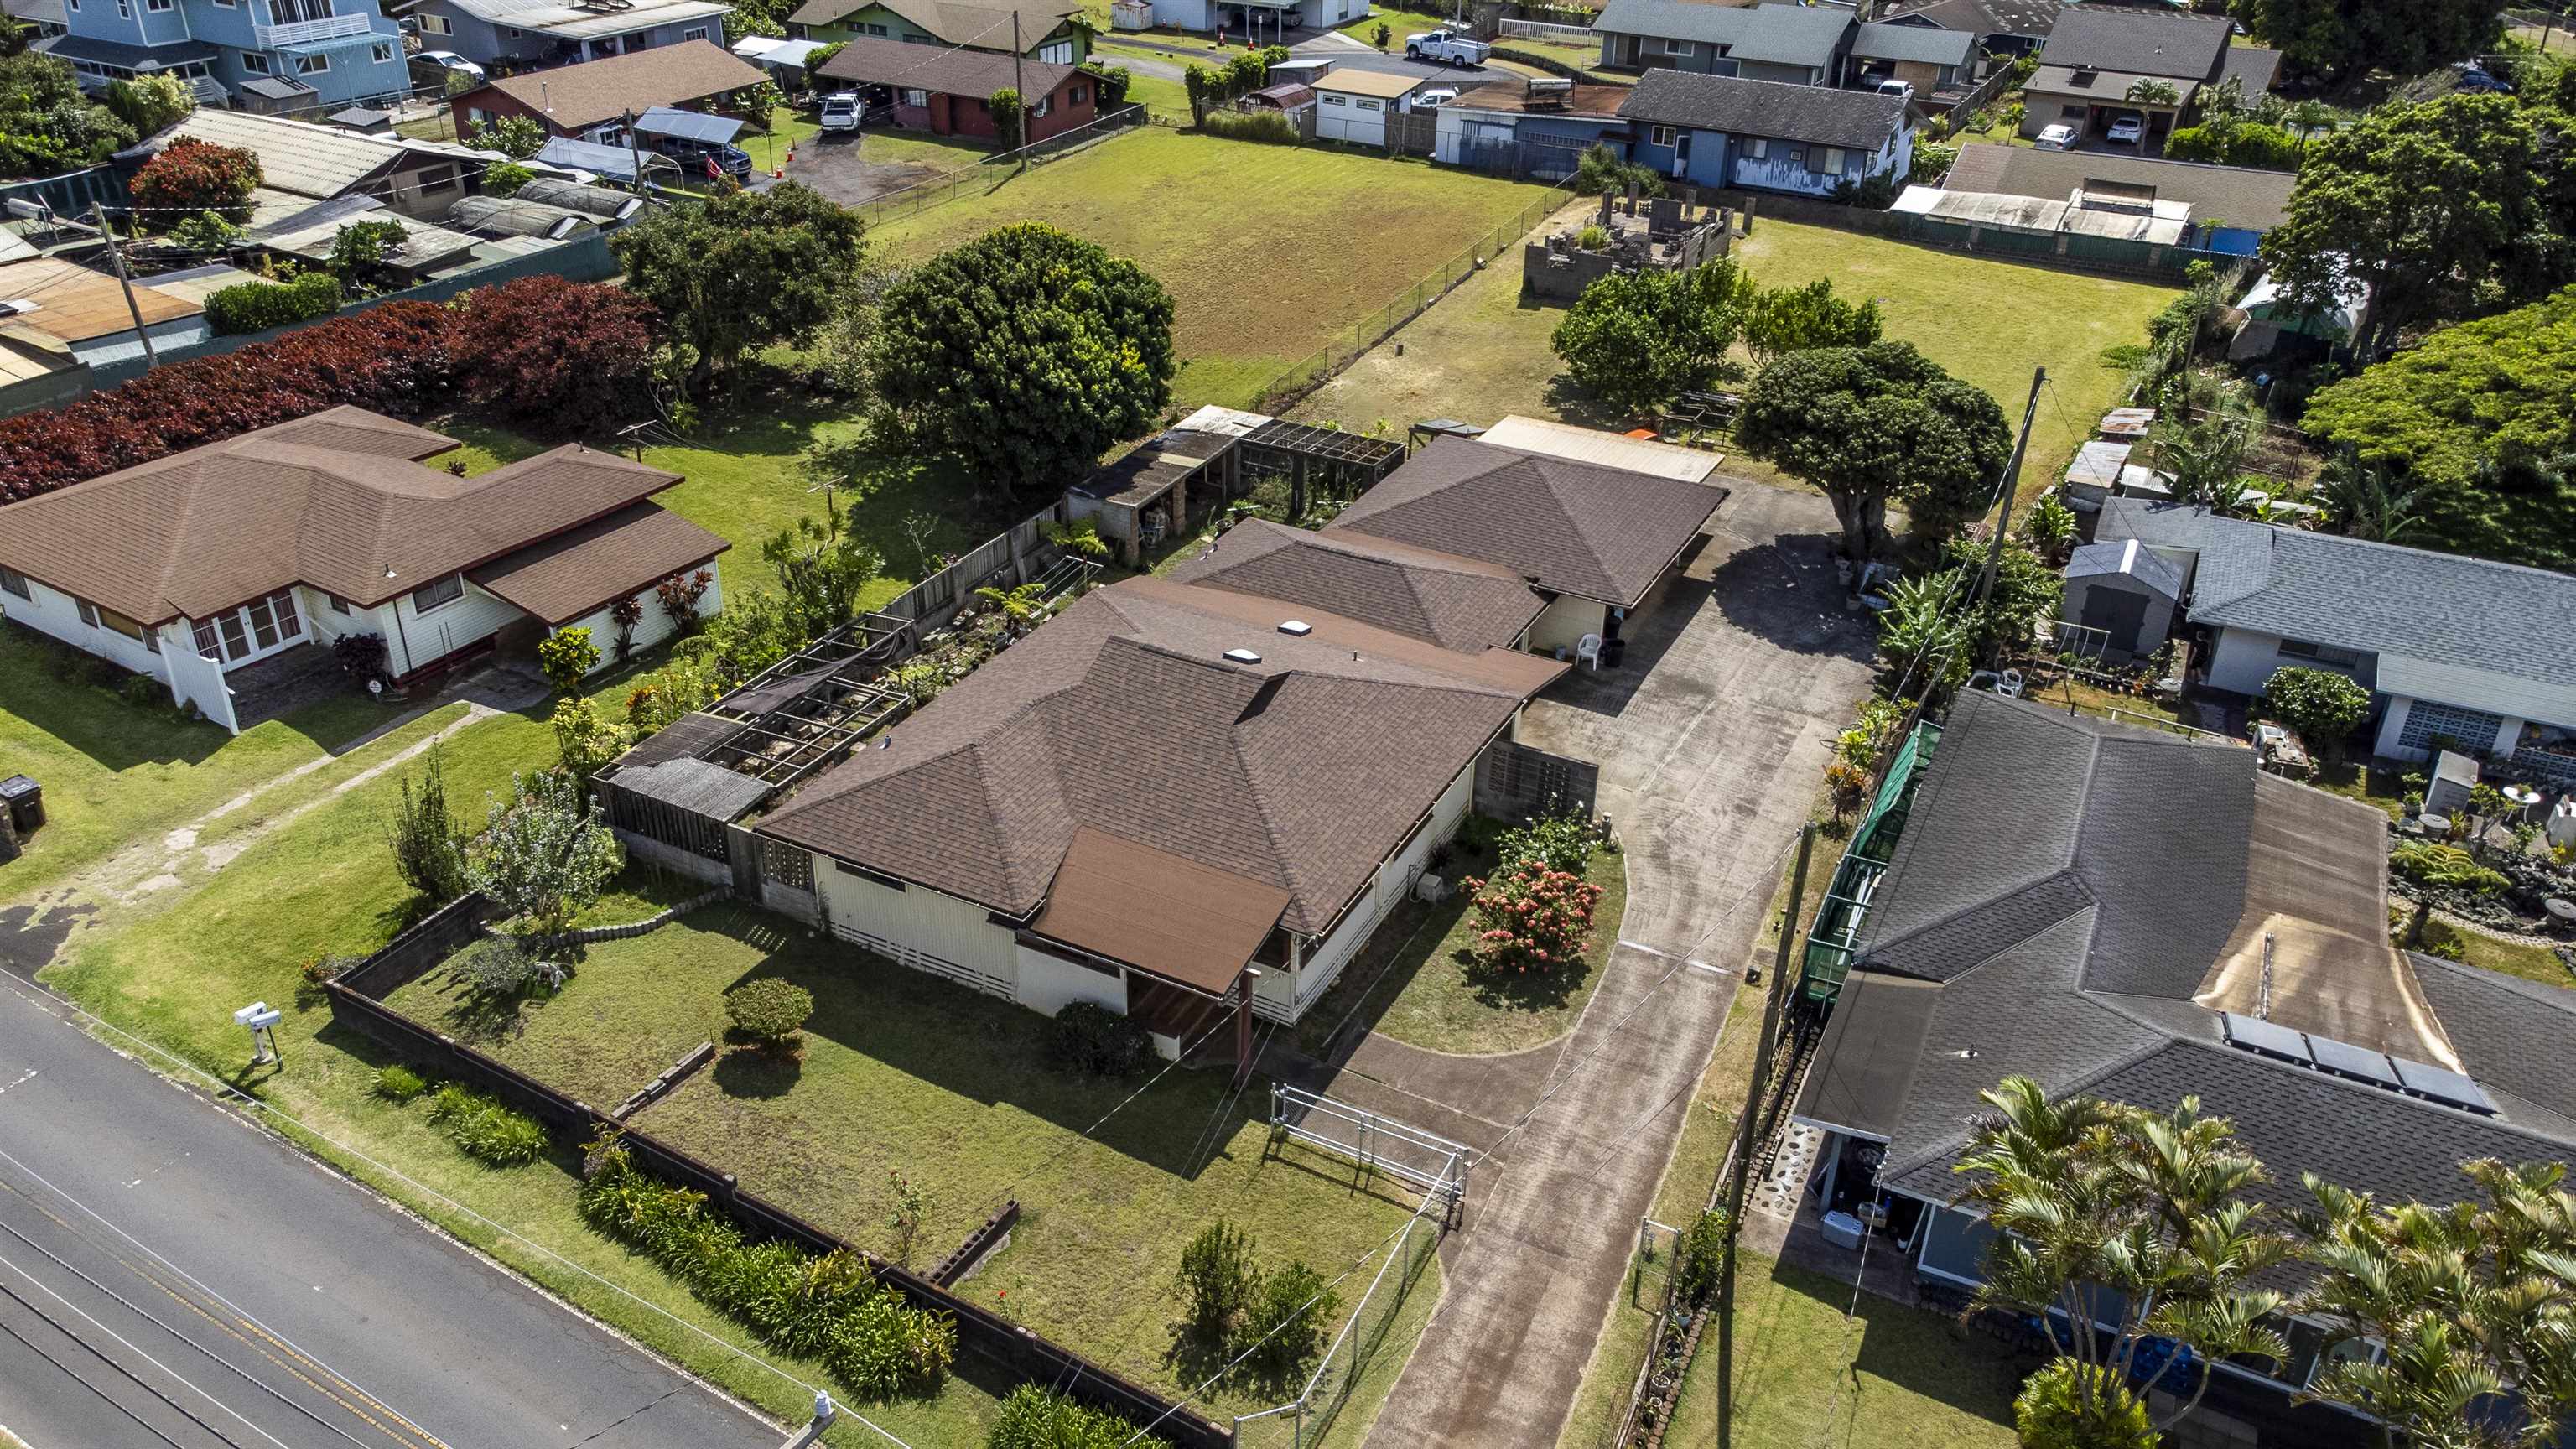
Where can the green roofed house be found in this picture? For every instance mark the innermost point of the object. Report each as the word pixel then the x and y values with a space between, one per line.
pixel 1048 30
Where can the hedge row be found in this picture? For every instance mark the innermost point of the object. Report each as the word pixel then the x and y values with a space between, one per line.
pixel 1032 1418
pixel 258 306
pixel 826 1306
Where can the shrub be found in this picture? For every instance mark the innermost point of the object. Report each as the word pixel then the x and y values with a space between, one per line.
pixel 1593 239
pixel 1032 1418
pixel 679 597
pixel 505 179
pixel 1560 842
pixel 1702 1251
pixel 541 857
pixel 494 967
pixel 193 175
pixel 769 1009
pixel 570 357
pixel 150 104
pixel 1111 81
pixel 1089 1037
pixel 2321 705
pixel 517 137
pixel 586 744
pixel 1536 920
pixel 485 1130
pixel 399 1083
pixel 259 306
pixel 879 1345
pixel 567 656
pixel 204 232
pixel 429 852
pixel 1280 1331
pixel 1269 127
pixel 1216 1279
pixel 2053 1412
pixel 2436 864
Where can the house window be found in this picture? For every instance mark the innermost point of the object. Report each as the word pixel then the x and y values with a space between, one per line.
pixel 124 9
pixel 227 4
pixel 438 593
pixel 1056 52
pixel 1829 160
pixel 1076 96
pixel 254 62
pixel 438 178
pixel 88 612
pixel 381 54
pixel 436 25
pixel 15 582
pixel 695 32
pixel 1332 100
pixel 1659 135
pixel 919 100
pixel 313 64
pixel 1372 105
pixel 159 7
pixel 877 30
pixel 1679 49
pixel 2325 654
pixel 2070 113
pixel 208 646
pixel 1045 104
pixel 261 624
pixel 1756 149
pixel 338 605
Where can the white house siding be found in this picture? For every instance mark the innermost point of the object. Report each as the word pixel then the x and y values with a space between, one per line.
pixel 1564 622
pixel 2518 699
pixel 920 928
pixel 417 640
pixel 650 630
pixel 1322 964
pixel 195 678
pixel 1184 14
pixel 1360 120
pixel 1050 984
pixel 51 611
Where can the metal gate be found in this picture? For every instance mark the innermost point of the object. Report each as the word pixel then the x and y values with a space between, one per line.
pixel 1432 1165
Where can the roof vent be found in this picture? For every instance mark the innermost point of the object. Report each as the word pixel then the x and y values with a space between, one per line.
pixel 1298 627
pixel 16 306
pixel 1242 656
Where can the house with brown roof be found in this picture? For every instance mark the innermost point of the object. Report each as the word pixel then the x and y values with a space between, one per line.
pixel 590 101
pixel 1048 30
pixel 228 571
pixel 949 92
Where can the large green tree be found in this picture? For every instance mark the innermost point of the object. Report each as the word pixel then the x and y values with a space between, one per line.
pixel 2422 206
pixel 2478 423
pixel 1877 425
pixel 46 125
pixel 1025 353
pixel 1792 319
pixel 746 269
pixel 2339 37
pixel 1637 340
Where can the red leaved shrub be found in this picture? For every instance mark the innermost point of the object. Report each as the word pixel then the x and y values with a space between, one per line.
pixel 1536 920
pixel 192 176
pixel 566 357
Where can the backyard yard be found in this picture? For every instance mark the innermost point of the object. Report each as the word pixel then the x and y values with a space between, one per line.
pixel 1270 252
pixel 1483 351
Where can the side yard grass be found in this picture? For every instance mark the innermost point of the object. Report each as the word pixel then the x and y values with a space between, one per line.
pixel 1269 251
pixel 2529 960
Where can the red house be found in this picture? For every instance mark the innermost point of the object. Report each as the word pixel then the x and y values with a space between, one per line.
pixel 949 92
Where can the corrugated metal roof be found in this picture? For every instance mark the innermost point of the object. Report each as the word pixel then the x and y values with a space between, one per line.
pixel 1610 450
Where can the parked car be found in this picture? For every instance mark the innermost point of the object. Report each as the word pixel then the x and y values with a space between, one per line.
pixel 2126 130
pixel 840 111
pixel 693 156
pixel 1903 90
pixel 2478 78
pixel 1436 96
pixel 1449 47
pixel 448 60
pixel 2056 138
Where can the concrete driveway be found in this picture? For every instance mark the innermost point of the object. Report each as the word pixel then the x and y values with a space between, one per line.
pixel 1711 738
pixel 1349 54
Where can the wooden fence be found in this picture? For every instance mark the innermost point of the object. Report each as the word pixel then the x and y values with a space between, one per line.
pixel 1006 556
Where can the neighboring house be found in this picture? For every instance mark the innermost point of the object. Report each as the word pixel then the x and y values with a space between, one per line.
pixel 288 55
pixel 613 163
pixel 63 315
pixel 2231 207
pixel 591 101
pixel 1723 131
pixel 1260 21
pixel 1047 30
pixel 301 163
pixel 2012 28
pixel 226 571
pixel 2451 648
pixel 1599 543
pixel 552 32
pixel 1531 128
pixel 38 18
pixel 2133 917
pixel 1800 44
pixel 949 92
pixel 1352 105
pixel 2099 53
pixel 1168 800
pixel 1926 59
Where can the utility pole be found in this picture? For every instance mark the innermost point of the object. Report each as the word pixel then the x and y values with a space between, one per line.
pixel 1019 83
pixel 1745 1128
pixel 116 259
pixel 2012 480
pixel 634 152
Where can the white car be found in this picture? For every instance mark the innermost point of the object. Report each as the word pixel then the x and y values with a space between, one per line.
pixel 1434 97
pixel 1903 90
pixel 2056 138
pixel 840 111
pixel 449 60
pixel 2126 130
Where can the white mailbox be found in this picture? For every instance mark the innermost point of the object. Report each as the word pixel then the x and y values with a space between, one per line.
pixel 258 1014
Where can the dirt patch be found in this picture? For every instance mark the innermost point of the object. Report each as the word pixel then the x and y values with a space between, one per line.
pixel 843 171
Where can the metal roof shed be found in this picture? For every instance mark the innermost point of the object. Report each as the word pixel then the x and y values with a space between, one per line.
pixel 688 125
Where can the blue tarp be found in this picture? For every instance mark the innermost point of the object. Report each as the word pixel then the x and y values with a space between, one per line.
pixel 688 125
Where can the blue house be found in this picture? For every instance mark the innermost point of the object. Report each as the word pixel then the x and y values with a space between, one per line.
pixel 266 55
pixel 1725 131
pixel 525 33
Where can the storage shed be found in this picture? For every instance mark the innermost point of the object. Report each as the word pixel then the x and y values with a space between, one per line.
pixel 2126 590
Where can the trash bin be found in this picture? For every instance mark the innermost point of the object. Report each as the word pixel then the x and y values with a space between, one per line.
pixel 25 800
pixel 1612 651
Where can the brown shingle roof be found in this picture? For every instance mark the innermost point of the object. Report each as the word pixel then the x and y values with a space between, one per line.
pixel 337 500
pixel 1163 912
pixel 566 576
pixel 1572 528
pixel 1460 603
pixel 1122 714
pixel 575 97
pixel 973 73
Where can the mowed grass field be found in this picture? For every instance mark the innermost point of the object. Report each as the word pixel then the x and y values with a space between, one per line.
pixel 1483 350
pixel 1270 252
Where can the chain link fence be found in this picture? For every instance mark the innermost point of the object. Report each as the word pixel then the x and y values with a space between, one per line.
pixel 1365 1355
pixel 939 190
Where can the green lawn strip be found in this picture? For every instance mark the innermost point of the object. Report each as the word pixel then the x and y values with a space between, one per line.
pixel 788 129
pixel 303 792
pixel 1414 980
pixel 2529 960
pixel 1253 241
pixel 2358 780
pixel 1399 24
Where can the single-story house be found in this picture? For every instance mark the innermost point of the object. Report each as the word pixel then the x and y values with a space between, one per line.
pixel 1259 21
pixel 2230 207
pixel 226 571
pixel 1170 800
pixel 2012 28
pixel 1048 30
pixel 2125 590
pixel 301 163
pixel 1599 543
pixel 1724 131
pixel 553 32
pixel 2451 648
pixel 1352 105
pixel 2098 53
pixel 1799 44
pixel 591 101
pixel 783 59
pixel 1536 128
pixel 2162 920
pixel 2118 213
pixel 949 92
pixel 1928 60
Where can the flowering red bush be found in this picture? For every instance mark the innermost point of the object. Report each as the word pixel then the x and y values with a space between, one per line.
pixel 192 176
pixel 1536 920
pixel 569 357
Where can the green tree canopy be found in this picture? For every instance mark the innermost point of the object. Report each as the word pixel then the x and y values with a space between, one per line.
pixel 2337 37
pixel 2478 419
pixel 746 269
pixel 46 125
pixel 1025 353
pixel 1874 425
pixel 1637 340
pixel 516 137
pixel 1792 319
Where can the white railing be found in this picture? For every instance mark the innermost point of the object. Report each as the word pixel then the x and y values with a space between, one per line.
pixel 1434 1166
pixel 305 32
pixel 1544 30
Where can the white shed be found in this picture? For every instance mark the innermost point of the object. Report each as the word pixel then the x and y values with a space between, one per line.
pixel 1352 105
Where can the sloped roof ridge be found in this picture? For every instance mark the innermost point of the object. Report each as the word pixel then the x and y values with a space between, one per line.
pixel 2065 875
pixel 1949 1143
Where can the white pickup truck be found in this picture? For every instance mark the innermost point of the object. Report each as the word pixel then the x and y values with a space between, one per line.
pixel 1449 47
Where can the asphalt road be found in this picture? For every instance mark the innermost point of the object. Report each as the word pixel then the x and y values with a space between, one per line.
pixel 171 1278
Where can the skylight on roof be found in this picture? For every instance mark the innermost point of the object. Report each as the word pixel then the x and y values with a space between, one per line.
pixel 1242 656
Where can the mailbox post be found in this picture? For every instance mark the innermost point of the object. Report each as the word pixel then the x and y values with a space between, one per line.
pixel 262 1019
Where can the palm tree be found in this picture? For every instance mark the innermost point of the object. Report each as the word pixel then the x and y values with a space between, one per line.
pixel 2363 502
pixel 2207 461
pixel 2308 118
pixel 2151 93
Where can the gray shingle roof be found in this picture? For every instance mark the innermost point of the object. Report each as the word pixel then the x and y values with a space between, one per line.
pixel 1775 109
pixel 2143 42
pixel 1457 603
pixel 2374 597
pixel 1676 20
pixel 1881 41
pixel 2252 67
pixel 2238 195
pixel 1982 18
pixel 1776 34
pixel 1793 34
pixel 2126 559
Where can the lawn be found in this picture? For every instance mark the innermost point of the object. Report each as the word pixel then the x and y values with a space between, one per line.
pixel 904 1072
pixel 1270 252
pixel 1416 979
pixel 1483 351
pixel 2527 959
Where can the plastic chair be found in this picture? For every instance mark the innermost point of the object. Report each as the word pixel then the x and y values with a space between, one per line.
pixel 1587 650
pixel 2012 683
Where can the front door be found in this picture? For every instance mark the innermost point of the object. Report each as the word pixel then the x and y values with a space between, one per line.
pixel 2117 613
